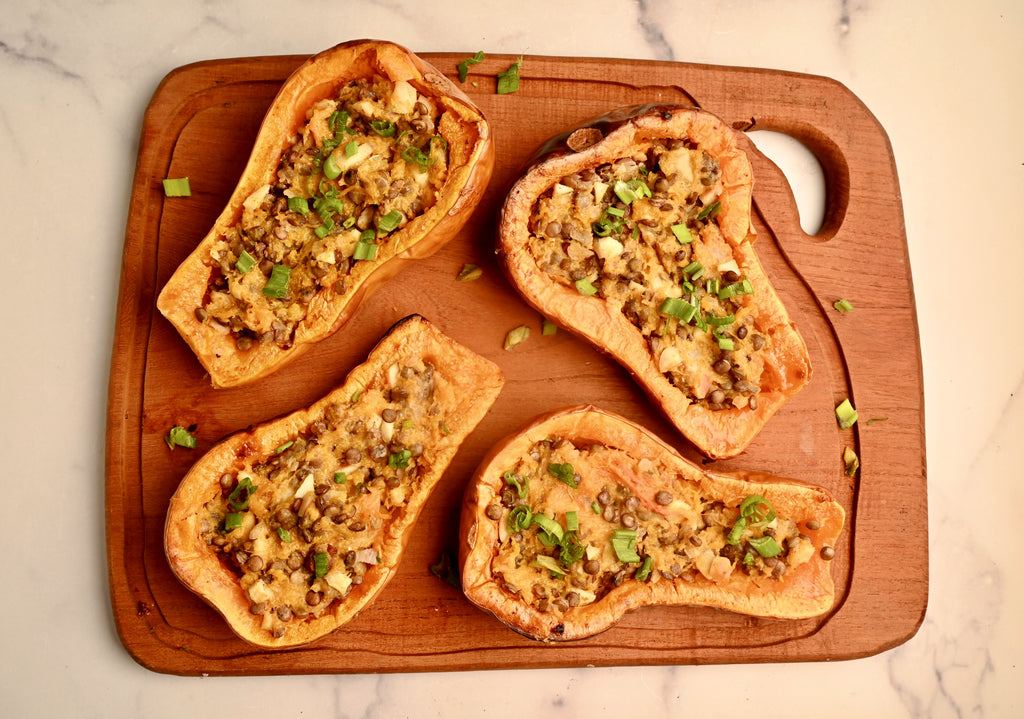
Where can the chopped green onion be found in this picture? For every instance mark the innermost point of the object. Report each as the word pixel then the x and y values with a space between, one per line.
pixel 547 327
pixel 299 204
pixel 682 233
pixel 712 286
pixel 232 521
pixel 694 270
pixel 284 534
pixel 624 545
pixel 356 395
pixel 508 81
pixel 877 419
pixel 277 285
pixel 468 273
pixel 408 424
pixel 736 533
pixel 283 447
pixel 644 573
pixel 679 308
pixel 240 495
pixel 748 559
pixel 550 563
pixel 516 336
pixel 332 170
pixel 521 484
pixel 321 563
pixel 851 461
pixel 399 460
pixel 351 148
pixel 726 343
pixel 383 128
pixel 564 473
pixel 325 228
pixel 180 437
pixel 710 211
pixel 463 67
pixel 846 414
pixel 338 118
pixel 572 521
pixel 743 287
pixel 413 154
pixel 519 518
pixel 843 305
pixel 766 546
pixel 750 508
pixel 364 251
pixel 596 506
pixel 572 549
pixel 245 262
pixel 546 523
pixel 630 191
pixel 584 287
pixel 390 221
pixel 340 477
pixel 177 187
pixel 721 321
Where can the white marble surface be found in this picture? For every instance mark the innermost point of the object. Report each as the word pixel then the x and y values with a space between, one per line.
pixel 944 78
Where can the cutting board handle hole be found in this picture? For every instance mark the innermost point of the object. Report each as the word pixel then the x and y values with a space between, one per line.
pixel 802 170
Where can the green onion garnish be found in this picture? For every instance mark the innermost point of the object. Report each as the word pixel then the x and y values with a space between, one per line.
pixel 284 534
pixel 851 461
pixel 549 563
pixel 631 191
pixel 521 484
pixel 332 170
pixel 694 270
pixel 351 148
pixel 710 211
pixel 299 204
pixel 364 251
pixel 399 460
pixel 679 308
pixel 516 336
pixel 572 521
pixel 245 262
pixel 682 233
pixel 413 154
pixel 239 497
pixel 177 187
pixel 508 81
pixel 277 285
pixel 721 321
pixel 750 508
pixel 743 287
pixel 584 287
pixel 390 221
pixel 564 473
pixel 180 437
pixel 843 305
pixel 232 520
pixel 321 563
pixel 519 518
pixel 340 478
pixel 624 545
pixel 726 343
pixel 546 523
pixel 572 549
pixel 766 546
pixel 547 327
pixel 596 506
pixel 644 573
pixel 281 448
pixel 383 128
pixel 468 273
pixel 736 533
pixel 846 414
pixel 463 67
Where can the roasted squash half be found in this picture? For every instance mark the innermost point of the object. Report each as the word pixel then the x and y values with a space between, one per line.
pixel 634 232
pixel 291 528
pixel 583 515
pixel 367 157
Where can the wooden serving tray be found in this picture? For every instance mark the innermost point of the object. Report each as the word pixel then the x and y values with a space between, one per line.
pixel 201 123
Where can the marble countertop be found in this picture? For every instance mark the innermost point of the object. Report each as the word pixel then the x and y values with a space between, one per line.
pixel 945 79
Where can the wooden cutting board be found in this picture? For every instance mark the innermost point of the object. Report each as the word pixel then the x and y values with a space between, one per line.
pixel 201 123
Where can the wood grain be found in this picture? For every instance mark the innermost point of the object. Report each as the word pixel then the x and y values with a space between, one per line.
pixel 201 123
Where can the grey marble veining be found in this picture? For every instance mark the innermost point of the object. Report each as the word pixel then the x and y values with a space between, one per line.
pixel 946 83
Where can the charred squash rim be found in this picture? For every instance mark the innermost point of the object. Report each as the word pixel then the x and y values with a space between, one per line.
pixel 199 568
pixel 471 162
pixel 718 434
pixel 805 591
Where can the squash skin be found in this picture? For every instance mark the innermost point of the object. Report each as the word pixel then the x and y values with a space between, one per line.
pixel 805 591
pixel 477 382
pixel 471 163
pixel 718 434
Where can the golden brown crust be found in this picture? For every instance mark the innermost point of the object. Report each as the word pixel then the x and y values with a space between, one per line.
pixel 466 385
pixel 470 163
pixel 718 433
pixel 806 590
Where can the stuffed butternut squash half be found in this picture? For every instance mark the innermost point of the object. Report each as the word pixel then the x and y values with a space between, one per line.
pixel 583 515
pixel 289 529
pixel 368 157
pixel 634 232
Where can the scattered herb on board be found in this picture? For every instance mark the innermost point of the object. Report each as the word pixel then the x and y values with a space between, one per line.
pixel 181 437
pixel 463 67
pixel 851 461
pixel 846 414
pixel 516 336
pixel 177 187
pixel 843 306
pixel 508 81
pixel 469 272
pixel 547 327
